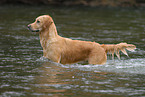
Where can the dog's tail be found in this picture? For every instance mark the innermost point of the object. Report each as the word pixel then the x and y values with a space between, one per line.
pixel 115 48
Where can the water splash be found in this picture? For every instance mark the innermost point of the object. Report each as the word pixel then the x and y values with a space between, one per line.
pixel 132 66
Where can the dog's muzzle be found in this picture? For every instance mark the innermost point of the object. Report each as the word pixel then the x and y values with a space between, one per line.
pixel 29 27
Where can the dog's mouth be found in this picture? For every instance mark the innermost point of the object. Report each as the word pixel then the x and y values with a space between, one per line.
pixel 33 30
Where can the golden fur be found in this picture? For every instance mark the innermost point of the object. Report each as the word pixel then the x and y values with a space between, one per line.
pixel 68 51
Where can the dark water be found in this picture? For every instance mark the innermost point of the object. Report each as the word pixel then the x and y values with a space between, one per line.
pixel 24 72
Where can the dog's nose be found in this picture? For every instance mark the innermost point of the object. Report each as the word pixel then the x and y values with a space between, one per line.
pixel 29 26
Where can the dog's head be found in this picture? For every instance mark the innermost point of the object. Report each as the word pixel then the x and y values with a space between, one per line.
pixel 41 23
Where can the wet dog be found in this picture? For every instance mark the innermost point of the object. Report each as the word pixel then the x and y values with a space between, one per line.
pixel 68 51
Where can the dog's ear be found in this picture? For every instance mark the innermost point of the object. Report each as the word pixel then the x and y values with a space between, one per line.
pixel 47 23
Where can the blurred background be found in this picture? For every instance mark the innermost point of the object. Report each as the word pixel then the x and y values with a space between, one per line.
pixel 79 2
pixel 25 73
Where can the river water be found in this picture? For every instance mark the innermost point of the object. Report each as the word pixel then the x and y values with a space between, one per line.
pixel 24 72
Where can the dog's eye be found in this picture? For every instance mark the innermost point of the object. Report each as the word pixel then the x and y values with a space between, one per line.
pixel 38 21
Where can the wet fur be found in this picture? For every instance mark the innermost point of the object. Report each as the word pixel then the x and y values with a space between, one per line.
pixel 68 51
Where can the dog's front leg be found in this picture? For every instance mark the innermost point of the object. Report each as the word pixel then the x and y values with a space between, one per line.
pixel 56 59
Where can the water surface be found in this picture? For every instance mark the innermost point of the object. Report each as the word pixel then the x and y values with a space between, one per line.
pixel 24 72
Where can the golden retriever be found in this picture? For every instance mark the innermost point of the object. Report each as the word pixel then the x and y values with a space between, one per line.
pixel 68 51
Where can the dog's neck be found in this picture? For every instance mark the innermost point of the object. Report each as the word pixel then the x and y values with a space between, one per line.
pixel 48 36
